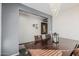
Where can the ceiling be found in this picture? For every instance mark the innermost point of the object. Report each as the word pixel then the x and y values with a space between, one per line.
pixel 43 7
pixel 58 7
pixel 51 8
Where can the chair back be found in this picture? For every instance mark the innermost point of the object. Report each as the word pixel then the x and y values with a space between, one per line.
pixel 37 39
pixel 48 36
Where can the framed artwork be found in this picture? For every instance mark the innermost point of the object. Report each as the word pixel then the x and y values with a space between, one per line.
pixel 44 28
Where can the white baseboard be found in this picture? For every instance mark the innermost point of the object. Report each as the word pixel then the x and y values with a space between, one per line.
pixel 15 54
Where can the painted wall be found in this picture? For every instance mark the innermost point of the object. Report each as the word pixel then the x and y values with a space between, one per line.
pixel 10 17
pixel 33 10
pixel 10 39
pixel 27 31
pixel 0 28
pixel 66 23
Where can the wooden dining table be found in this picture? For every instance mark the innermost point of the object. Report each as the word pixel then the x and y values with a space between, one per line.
pixel 45 52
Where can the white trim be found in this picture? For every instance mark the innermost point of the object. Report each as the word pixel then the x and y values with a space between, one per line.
pixel 15 54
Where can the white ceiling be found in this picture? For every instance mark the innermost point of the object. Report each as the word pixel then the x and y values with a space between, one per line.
pixel 51 8
pixel 59 7
pixel 43 7
pixel 65 6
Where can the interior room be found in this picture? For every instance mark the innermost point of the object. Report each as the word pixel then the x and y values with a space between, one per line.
pixel 39 29
pixel 30 25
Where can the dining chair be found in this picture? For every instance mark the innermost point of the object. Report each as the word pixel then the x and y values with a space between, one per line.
pixel 37 39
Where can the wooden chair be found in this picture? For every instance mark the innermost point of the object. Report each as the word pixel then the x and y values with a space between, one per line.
pixel 45 40
pixel 75 52
pixel 48 36
pixel 37 39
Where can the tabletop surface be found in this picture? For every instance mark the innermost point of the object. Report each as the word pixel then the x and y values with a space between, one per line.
pixel 45 52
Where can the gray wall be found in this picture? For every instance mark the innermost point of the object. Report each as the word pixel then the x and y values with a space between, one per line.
pixel 10 18
pixel 38 13
pixel 9 29
pixel 0 28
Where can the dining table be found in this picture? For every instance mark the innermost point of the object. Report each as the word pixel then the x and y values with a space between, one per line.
pixel 45 52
